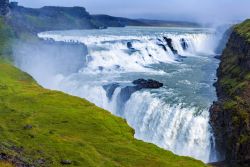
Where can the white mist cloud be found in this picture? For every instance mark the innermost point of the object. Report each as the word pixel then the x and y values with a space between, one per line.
pixel 206 11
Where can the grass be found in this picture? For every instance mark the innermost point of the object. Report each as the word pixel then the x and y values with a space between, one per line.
pixel 43 128
pixel 5 164
pixel 244 29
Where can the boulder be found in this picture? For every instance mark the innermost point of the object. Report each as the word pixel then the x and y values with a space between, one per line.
pixel 184 44
pixel 147 84
pixel 130 47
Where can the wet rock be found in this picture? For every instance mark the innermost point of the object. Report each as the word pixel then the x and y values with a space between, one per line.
pixel 184 44
pixel 170 44
pixel 117 67
pixel 100 68
pixel 139 84
pixel 163 46
pixel 130 47
pixel 217 57
pixel 147 84
pixel 110 89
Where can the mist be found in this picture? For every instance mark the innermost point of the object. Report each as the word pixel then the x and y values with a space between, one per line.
pixel 203 11
pixel 46 59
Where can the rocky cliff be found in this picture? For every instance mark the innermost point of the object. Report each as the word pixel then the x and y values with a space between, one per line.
pixel 230 115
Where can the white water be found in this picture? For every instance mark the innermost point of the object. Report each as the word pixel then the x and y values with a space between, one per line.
pixel 109 51
pixel 174 117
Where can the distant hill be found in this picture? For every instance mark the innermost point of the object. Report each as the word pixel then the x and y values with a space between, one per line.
pixel 66 18
pixel 163 23
pixel 50 18
pixel 111 21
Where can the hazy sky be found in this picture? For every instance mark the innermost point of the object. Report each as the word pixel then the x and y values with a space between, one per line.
pixel 192 10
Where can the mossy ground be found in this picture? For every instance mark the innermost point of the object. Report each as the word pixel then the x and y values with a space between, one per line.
pixel 42 127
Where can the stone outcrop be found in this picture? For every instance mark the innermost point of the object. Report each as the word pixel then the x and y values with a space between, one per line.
pixel 147 84
pixel 230 115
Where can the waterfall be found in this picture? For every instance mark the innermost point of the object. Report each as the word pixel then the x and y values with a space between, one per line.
pixel 174 117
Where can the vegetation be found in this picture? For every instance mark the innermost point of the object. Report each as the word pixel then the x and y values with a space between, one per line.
pixel 231 116
pixel 234 74
pixel 244 29
pixel 48 128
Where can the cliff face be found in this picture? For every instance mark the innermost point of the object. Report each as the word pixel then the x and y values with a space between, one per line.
pixel 230 115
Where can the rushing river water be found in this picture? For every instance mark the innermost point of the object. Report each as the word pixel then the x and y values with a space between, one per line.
pixel 174 117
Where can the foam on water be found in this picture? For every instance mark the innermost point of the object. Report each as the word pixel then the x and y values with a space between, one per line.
pixel 109 53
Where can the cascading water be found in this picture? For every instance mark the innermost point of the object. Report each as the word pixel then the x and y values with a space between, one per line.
pixel 174 117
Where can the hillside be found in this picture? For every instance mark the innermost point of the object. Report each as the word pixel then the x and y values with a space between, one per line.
pixel 66 18
pixel 50 18
pixel 40 127
pixel 230 115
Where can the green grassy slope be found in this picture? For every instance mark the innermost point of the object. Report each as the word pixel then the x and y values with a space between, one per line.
pixel 43 128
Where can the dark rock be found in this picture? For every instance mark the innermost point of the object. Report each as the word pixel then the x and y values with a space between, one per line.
pixel 126 93
pixel 217 57
pixel 117 66
pixel 163 46
pixel 170 44
pixel 130 47
pixel 110 89
pixel 147 84
pixel 159 40
pixel 100 68
pixel 66 162
pixel 184 44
